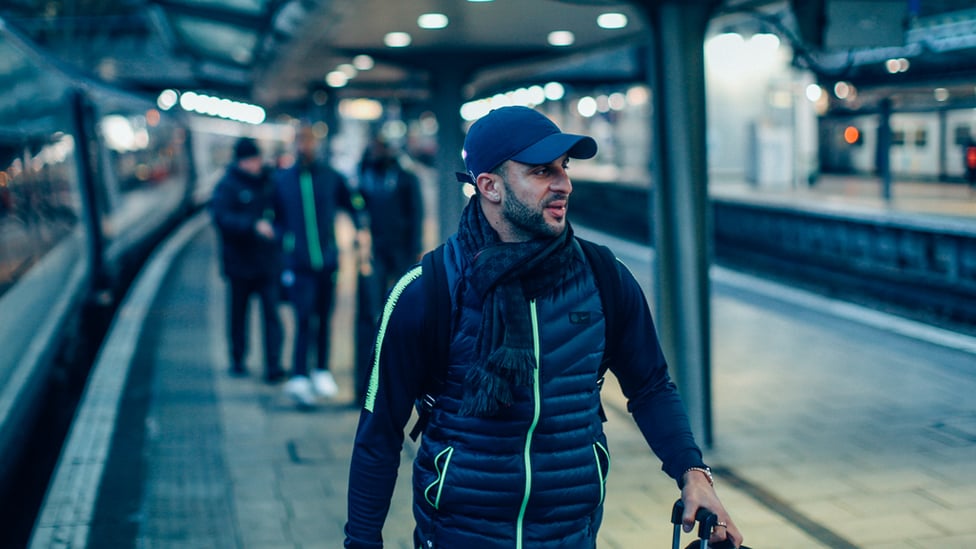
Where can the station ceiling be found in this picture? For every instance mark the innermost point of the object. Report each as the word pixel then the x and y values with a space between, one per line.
pixel 276 52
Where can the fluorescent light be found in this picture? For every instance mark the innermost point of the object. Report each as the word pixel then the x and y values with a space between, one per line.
pixel 361 109
pixel 167 99
pixel 432 21
pixel 561 38
pixel 611 20
pixel 397 39
pixel 336 79
pixel 224 108
pixel 363 62
pixel 586 106
pixel 554 91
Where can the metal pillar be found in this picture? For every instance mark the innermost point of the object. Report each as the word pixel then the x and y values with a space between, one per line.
pixel 680 205
pixel 884 148
pixel 943 145
pixel 446 85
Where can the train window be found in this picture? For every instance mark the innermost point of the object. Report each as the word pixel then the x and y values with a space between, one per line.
pixel 897 137
pixel 921 137
pixel 142 162
pixel 962 134
pixel 40 201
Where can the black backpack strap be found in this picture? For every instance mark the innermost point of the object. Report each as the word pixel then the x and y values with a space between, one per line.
pixel 606 271
pixel 437 331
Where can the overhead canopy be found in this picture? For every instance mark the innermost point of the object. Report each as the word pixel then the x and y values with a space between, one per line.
pixel 275 52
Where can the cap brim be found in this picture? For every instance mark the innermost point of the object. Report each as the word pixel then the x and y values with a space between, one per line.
pixel 553 146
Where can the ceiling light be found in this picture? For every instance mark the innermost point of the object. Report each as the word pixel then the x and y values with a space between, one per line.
pixel 336 79
pixel 167 99
pixel 618 101
pixel 813 92
pixel 397 39
pixel 561 38
pixel 348 70
pixel 432 21
pixel 361 109
pixel 363 62
pixel 765 41
pixel 842 90
pixel 611 20
pixel 554 91
pixel 586 107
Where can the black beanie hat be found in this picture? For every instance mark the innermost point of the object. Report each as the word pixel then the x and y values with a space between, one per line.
pixel 246 148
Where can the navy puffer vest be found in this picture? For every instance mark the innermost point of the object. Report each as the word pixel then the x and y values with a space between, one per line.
pixel 534 475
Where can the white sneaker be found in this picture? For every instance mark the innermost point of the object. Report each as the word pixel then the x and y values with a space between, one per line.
pixel 324 383
pixel 299 388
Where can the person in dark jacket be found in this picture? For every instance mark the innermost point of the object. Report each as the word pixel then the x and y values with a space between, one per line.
pixel 514 453
pixel 394 207
pixel 243 211
pixel 309 195
pixel 393 213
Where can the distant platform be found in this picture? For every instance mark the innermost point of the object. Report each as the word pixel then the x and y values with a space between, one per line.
pixel 954 199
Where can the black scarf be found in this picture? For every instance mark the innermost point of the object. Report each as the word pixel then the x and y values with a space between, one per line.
pixel 505 276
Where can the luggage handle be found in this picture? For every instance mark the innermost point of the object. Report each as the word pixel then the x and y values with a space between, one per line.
pixel 706 521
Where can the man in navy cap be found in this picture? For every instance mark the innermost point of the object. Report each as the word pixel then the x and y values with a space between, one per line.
pixel 513 453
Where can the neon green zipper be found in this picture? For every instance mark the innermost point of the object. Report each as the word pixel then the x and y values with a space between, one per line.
pixel 536 395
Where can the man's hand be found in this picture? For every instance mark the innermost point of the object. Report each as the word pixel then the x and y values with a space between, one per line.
pixel 264 229
pixel 364 251
pixel 699 492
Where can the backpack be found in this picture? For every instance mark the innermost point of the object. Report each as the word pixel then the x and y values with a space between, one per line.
pixel 437 324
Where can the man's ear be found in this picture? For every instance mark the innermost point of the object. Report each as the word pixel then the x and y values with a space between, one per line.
pixel 488 186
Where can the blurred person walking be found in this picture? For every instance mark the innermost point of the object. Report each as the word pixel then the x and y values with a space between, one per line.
pixel 243 210
pixel 394 210
pixel 309 194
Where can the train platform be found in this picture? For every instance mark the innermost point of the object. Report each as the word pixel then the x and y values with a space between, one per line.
pixel 858 194
pixel 834 427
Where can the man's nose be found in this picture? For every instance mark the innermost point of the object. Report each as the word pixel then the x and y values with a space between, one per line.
pixel 561 183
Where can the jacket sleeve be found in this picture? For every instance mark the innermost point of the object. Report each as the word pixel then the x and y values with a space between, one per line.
pixel 415 212
pixel 344 199
pixel 229 219
pixel 652 398
pixel 281 222
pixel 395 382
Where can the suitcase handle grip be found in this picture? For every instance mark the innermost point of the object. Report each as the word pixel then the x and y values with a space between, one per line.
pixel 706 521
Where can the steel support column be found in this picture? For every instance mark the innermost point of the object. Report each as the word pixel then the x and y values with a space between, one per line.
pixel 446 85
pixel 884 148
pixel 680 205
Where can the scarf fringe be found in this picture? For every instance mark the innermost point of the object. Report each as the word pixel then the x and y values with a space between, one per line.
pixel 517 365
pixel 485 392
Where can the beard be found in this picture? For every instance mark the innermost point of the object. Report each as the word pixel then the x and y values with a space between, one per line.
pixel 528 221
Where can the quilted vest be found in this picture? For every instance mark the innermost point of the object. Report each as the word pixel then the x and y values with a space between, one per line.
pixel 534 475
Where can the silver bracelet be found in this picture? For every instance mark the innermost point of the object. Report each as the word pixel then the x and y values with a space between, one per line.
pixel 704 470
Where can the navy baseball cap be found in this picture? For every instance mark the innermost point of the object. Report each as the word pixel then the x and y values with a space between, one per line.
pixel 520 134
